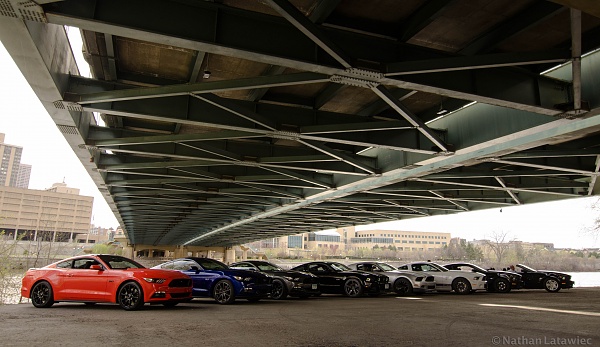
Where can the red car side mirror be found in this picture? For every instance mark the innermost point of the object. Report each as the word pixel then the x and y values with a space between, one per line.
pixel 96 267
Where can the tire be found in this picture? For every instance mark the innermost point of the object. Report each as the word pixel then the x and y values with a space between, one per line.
pixel 403 287
pixel 353 287
pixel 279 291
pixel 502 285
pixel 130 296
pixel 461 286
pixel 223 292
pixel 551 284
pixel 42 295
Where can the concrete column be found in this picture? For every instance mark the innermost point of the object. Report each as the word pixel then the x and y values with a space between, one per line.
pixel 245 254
pixel 229 255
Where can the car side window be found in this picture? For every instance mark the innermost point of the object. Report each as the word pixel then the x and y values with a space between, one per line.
pixel 84 263
pixel 167 266
pixel 417 267
pixel 361 267
pixel 316 269
pixel 184 265
pixel 403 267
pixel 244 265
pixel 64 264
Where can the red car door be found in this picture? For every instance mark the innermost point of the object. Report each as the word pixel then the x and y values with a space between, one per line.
pixel 83 283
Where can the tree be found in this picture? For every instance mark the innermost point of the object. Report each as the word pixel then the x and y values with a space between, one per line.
pixel 498 244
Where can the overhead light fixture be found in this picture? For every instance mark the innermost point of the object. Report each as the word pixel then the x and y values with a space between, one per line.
pixel 206 73
pixel 442 110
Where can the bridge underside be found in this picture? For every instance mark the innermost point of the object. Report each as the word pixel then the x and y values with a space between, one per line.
pixel 232 121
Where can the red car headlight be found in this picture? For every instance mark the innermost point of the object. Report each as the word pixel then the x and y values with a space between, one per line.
pixel 155 280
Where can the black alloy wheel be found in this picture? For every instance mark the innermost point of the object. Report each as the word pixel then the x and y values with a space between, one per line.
pixel 279 291
pixel 130 296
pixel 403 287
pixel 42 295
pixel 353 287
pixel 461 286
pixel 502 285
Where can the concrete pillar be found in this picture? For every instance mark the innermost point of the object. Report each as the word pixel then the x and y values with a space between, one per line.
pixel 229 255
pixel 245 254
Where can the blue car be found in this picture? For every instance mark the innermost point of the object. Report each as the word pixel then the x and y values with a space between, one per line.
pixel 212 278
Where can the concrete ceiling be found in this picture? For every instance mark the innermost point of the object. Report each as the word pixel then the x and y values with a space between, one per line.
pixel 232 121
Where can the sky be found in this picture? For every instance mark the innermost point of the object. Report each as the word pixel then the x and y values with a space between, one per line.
pixel 25 123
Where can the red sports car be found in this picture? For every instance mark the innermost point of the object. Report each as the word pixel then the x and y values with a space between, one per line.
pixel 105 278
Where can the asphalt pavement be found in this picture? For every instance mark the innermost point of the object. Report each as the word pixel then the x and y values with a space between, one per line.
pixel 523 317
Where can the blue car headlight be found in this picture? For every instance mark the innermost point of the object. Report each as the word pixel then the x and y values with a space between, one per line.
pixel 243 279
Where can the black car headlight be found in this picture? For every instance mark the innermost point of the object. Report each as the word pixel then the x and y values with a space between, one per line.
pixel 418 279
pixel 369 279
pixel 292 279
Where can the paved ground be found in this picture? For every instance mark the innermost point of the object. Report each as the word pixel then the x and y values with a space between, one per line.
pixel 526 317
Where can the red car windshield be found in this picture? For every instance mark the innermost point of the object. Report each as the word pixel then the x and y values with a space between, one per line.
pixel 116 262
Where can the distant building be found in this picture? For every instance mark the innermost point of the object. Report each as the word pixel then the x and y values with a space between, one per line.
pixel 348 238
pixel 23 176
pixel 96 235
pixel 56 214
pixel 10 164
pixel 398 239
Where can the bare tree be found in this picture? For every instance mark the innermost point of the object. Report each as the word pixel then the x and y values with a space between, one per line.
pixel 498 243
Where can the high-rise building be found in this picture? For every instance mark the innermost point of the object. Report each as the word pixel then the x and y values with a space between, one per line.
pixel 23 176
pixel 10 166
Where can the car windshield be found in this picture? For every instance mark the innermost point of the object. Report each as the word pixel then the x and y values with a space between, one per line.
pixel 120 263
pixel 386 267
pixel 525 268
pixel 339 267
pixel 268 267
pixel 476 268
pixel 210 264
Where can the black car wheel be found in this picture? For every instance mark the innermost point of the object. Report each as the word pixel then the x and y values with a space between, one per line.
pixel 42 295
pixel 223 292
pixel 279 291
pixel 461 286
pixel 551 284
pixel 130 296
pixel 353 287
pixel 502 285
pixel 403 287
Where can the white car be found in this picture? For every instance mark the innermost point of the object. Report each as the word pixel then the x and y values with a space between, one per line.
pixel 403 282
pixel 461 282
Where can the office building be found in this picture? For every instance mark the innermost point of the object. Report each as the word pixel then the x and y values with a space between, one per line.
pixel 56 214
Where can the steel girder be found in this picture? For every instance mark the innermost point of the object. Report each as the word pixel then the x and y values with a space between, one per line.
pixel 253 170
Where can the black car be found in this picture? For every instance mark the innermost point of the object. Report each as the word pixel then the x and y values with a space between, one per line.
pixel 212 278
pixel 285 282
pixel 336 278
pixel 497 281
pixel 552 281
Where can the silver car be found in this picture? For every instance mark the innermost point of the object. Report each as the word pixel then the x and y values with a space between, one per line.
pixel 461 282
pixel 403 282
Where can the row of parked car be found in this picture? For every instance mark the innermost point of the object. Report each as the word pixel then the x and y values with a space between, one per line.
pixel 114 279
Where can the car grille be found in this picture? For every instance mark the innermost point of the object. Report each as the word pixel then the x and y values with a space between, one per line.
pixel 384 279
pixel 429 279
pixel 181 282
pixel 262 280
pixel 180 295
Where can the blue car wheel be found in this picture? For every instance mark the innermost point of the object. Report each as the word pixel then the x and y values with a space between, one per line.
pixel 223 292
